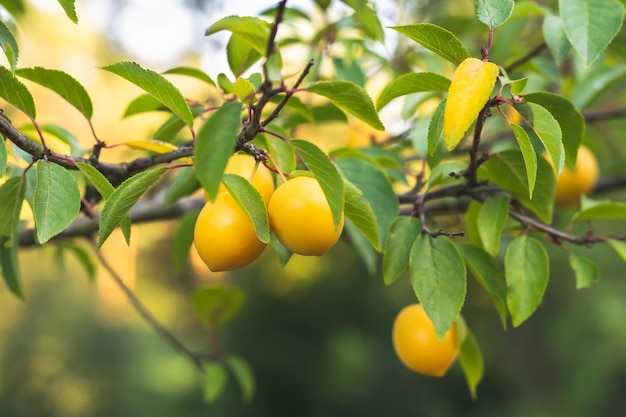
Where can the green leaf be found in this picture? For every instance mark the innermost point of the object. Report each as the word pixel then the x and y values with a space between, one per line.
pixel 586 271
pixel 193 73
pixel 58 132
pixel 437 39
pixel 402 233
pixel 376 189
pixel 555 37
pixel 472 363
pixel 84 259
pixel 245 91
pixel 619 247
pixel 494 13
pixel 215 143
pixel 9 46
pixel 244 376
pixel 591 25
pixel 349 97
pixel 70 9
pixel 217 304
pixel 367 18
pixel 592 209
pixel 3 157
pixel 435 128
pixel 326 174
pixel 214 382
pixel 530 157
pixel 438 278
pixel 183 239
pixel 225 84
pixel 282 152
pixel 362 247
pixel 508 170
pixel 156 85
pixel 251 202
pixel 361 214
pixel 526 271
pixel 183 185
pixel 63 84
pixel 471 223
pixel 252 30
pixel 10 267
pixel 97 179
pixel 412 83
pixel 491 220
pixel 143 104
pixel 16 93
pixel 489 274
pixel 547 129
pixel 56 201
pixel 570 120
pixel 241 56
pixel 14 7
pixel 118 206
pixel 11 198
pixel 596 81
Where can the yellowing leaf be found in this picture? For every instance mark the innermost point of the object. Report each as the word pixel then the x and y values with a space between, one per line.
pixel 154 146
pixel 469 91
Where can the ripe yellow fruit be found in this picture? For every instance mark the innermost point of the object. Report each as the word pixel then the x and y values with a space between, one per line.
pixel 243 164
pixel 417 346
pixel 300 217
pixel 224 236
pixel 571 185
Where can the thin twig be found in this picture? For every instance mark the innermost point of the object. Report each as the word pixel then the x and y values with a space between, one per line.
pixel 530 55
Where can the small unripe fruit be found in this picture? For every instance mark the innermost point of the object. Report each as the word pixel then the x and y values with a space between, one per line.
pixel 571 185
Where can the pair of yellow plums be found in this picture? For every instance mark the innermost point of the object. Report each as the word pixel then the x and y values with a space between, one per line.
pixel 299 216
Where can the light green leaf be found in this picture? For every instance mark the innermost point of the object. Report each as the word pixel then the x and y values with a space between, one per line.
pixel 3 157
pixel 471 223
pixel 435 128
pixel 16 93
pixel 193 73
pixel 555 37
pixel 214 381
pixel 361 214
pixel 281 151
pixel 58 132
pixel 70 9
pixel 437 39
pixel 489 274
pixel 244 376
pixel 124 198
pixel 438 278
pixel 10 267
pixel 472 363
pixel 367 18
pixel 595 82
pixel 9 45
pixel 494 13
pixel 402 233
pixel 362 247
pixel 183 185
pixel 376 189
pixel 183 239
pixel 251 202
pixel 349 97
pixel 84 259
pixel 530 158
pixel 217 304
pixel 412 83
pixel 326 174
pixel 252 30
pixel 619 247
pixel 241 56
pixel 143 104
pixel 592 209
pixel 547 129
pixel 570 120
pixel 508 170
pixel 11 198
pixel 215 143
pixel 56 201
pixel 586 271
pixel 156 85
pixel 527 272
pixel 61 83
pixel 591 25
pixel 491 220
pixel 245 91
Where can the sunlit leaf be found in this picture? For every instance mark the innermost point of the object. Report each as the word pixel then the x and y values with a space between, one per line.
pixel 16 93
pixel 155 146
pixel 214 381
pixel 472 363
pixel 435 128
pixel 252 30
pixel 251 201
pixel 9 46
pixel 586 271
pixel 193 73
pixel 361 214
pixel 412 83
pixel 70 9
pixel 437 39
pixel 143 104
pixel 11 198
pixel 245 90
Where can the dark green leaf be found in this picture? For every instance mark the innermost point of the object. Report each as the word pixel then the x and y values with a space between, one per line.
pixel 591 25
pixel 84 259
pixel 9 266
pixel 351 98
pixel 412 83
pixel 63 84
pixel 251 202
pixel 402 233
pixel 156 85
pixel 491 220
pixel 118 206
pixel 70 9
pixel 438 278
pixel 143 104
pixel 526 271
pixel 361 214
pixel 9 46
pixel 435 128
pixel 472 363
pixel 183 239
pixel 586 271
pixel 326 174
pixel 494 13
pixel 243 375
pixel 215 143
pixel 3 157
pixel 547 129
pixel 217 304
pixel 362 246
pixel 596 81
pixel 56 201
pixel 281 151
pixel 16 93
pixel 530 157
pixel 193 73
pixel 437 39
pixel 183 185
pixel 11 197
pixel 215 378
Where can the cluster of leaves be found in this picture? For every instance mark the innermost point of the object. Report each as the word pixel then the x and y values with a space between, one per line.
pixel 497 176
